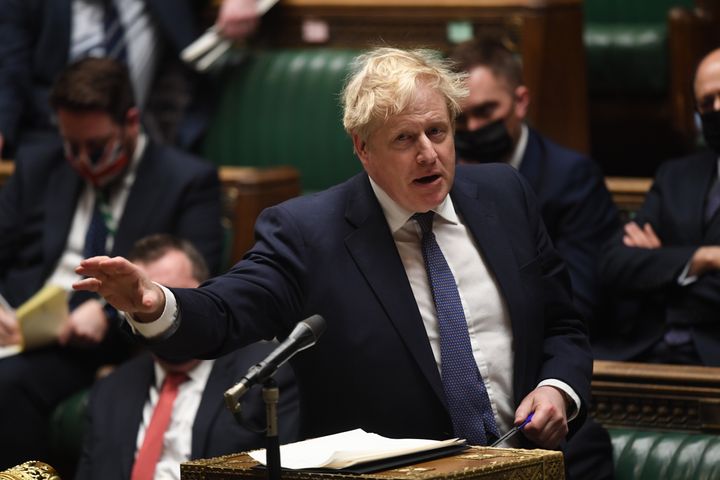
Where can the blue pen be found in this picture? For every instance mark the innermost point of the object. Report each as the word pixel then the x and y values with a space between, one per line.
pixel 513 431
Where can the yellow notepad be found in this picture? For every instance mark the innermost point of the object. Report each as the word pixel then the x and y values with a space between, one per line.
pixel 40 319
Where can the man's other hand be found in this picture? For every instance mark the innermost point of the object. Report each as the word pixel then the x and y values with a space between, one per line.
pixel 644 237
pixel 549 423
pixel 9 328
pixel 86 325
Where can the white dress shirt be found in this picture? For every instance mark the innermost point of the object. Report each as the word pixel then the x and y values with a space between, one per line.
pixel 485 309
pixel 144 45
pixel 177 443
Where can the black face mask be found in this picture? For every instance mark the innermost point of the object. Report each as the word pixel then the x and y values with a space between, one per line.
pixel 711 129
pixel 491 143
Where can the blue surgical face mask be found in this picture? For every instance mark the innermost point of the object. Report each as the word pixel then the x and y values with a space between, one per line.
pixel 491 143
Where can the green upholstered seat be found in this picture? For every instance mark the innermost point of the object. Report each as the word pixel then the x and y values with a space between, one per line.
pixel 67 427
pixel 627 45
pixel 652 455
pixel 282 107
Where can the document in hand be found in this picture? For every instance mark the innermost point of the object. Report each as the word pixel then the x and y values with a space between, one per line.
pixel 346 449
pixel 40 319
pixel 207 50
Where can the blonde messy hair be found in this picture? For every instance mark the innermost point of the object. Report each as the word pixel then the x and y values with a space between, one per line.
pixel 383 81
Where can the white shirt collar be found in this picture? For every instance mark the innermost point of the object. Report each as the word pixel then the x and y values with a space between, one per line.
pixel 397 216
pixel 199 373
pixel 519 152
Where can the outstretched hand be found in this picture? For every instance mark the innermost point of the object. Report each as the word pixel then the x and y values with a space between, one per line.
pixel 124 285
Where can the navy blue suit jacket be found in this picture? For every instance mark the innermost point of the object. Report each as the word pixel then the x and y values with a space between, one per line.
pixel 116 404
pixel 674 207
pixel 332 253
pixel 173 193
pixel 578 212
pixel 34 48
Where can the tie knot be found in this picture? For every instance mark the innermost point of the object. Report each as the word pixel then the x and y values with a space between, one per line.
pixel 174 379
pixel 425 220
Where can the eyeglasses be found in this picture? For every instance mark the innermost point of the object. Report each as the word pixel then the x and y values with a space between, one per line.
pixel 708 103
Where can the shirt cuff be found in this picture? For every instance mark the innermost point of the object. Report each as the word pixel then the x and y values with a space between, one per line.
pixel 684 280
pixel 162 324
pixel 565 388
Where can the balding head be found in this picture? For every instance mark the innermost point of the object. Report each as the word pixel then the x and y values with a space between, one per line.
pixel 707 82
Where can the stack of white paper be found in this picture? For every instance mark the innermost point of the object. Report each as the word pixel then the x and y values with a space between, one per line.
pixel 346 449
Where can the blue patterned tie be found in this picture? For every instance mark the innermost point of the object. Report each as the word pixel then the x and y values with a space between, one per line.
pixel 467 398
pixel 115 43
pixel 95 245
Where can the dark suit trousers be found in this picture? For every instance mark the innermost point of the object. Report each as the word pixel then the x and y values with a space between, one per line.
pixel 31 385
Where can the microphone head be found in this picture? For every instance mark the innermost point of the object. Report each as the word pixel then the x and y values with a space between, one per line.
pixel 306 332
pixel 317 324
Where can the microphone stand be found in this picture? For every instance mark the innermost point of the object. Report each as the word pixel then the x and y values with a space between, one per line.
pixel 271 396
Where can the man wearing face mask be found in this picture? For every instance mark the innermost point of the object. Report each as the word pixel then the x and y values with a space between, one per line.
pixel 105 186
pixel 575 204
pixel 668 259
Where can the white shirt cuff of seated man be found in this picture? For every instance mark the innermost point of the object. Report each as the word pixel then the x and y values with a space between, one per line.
pixel 162 324
pixel 565 388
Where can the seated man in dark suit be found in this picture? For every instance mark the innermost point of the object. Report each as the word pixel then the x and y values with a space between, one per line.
pixel 101 188
pixel 666 262
pixel 124 406
pixel 575 204
pixel 39 39
pixel 448 311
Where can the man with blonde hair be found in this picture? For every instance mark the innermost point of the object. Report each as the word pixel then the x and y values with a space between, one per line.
pixel 448 311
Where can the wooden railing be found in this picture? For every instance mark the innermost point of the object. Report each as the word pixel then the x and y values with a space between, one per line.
pixel 657 397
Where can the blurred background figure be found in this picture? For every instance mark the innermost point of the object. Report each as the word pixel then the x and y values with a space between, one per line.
pixel 575 204
pixel 666 263
pixel 38 39
pixel 125 417
pixel 86 195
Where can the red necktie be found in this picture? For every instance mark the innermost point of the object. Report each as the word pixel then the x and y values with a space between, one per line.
pixel 152 446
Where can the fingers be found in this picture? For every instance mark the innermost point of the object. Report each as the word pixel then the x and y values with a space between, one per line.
pixel 549 423
pixel 644 237
pixel 237 19
pixel 9 328
pixel 87 325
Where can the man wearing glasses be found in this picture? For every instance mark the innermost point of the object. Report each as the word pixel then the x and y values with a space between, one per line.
pixel 668 259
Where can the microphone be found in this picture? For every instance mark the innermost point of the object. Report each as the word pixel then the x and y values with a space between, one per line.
pixel 303 336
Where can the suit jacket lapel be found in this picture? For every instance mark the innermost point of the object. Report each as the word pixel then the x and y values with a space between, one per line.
pixel 532 161
pixel 129 416
pixel 372 247
pixel 481 218
pixel 60 204
pixel 211 404
pixel 140 204
pixel 704 178
pixel 53 44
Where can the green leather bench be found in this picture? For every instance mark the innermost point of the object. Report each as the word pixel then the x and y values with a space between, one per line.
pixel 653 455
pixel 627 48
pixel 282 107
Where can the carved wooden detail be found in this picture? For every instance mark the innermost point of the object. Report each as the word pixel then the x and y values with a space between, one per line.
pixel 653 396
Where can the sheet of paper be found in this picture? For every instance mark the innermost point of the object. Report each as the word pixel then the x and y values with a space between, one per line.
pixel 349 448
